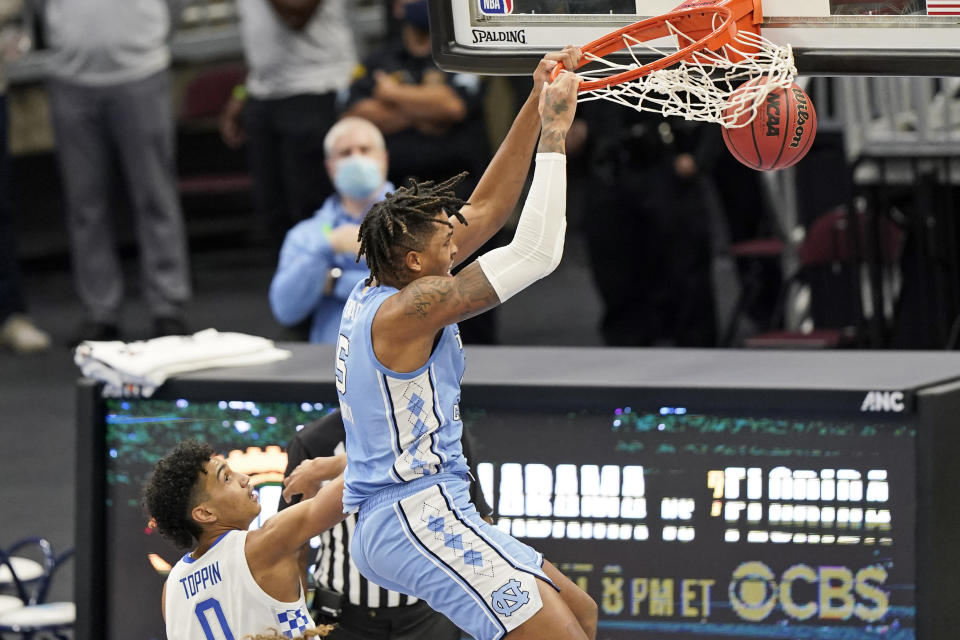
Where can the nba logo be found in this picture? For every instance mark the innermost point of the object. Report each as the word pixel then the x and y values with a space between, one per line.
pixel 500 7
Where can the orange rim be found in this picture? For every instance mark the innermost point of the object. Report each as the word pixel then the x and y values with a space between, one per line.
pixel 692 20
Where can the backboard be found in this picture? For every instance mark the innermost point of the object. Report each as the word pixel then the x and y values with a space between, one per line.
pixel 829 37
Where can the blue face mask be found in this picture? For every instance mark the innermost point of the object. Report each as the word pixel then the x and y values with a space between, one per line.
pixel 357 177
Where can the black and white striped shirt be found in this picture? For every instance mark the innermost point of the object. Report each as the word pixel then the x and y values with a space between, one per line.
pixel 333 569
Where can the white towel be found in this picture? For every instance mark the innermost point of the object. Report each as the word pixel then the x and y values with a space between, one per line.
pixel 138 368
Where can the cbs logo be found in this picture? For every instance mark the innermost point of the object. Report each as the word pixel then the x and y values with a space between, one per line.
pixel 829 593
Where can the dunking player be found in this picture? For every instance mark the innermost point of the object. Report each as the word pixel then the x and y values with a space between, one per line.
pixel 235 583
pixel 399 364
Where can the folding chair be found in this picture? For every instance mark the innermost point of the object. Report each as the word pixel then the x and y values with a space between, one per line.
pixel 27 614
pixel 831 277
pixel 204 98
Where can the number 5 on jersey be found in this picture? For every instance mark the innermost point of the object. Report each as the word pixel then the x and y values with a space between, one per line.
pixel 343 350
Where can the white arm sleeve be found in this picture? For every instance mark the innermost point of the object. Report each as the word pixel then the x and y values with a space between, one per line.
pixel 538 242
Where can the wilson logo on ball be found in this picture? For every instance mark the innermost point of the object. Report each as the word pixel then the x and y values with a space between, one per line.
pixel 803 115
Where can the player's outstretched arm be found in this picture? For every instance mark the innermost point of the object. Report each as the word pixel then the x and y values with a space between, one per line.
pixel 432 302
pixel 499 189
pixel 310 475
pixel 284 533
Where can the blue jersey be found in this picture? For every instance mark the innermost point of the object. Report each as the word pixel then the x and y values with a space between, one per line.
pixel 399 426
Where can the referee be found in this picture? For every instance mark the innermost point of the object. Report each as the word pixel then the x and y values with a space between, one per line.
pixel 359 608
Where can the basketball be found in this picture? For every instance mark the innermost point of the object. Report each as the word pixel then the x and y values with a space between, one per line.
pixel 780 134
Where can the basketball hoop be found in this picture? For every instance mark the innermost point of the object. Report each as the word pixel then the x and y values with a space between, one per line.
pixel 719 49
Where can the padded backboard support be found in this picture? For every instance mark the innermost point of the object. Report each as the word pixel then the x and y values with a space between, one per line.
pixel 829 37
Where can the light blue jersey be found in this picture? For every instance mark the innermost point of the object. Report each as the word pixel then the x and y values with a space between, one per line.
pixel 417 532
pixel 400 426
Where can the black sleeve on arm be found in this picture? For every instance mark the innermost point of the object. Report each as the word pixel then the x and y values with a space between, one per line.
pixel 476 492
pixel 318 438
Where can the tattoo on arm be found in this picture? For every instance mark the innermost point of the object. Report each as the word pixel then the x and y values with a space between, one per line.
pixel 560 107
pixel 552 141
pixel 450 299
pixel 424 294
pixel 475 291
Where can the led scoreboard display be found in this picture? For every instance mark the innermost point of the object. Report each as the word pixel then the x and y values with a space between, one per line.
pixel 694 494
pixel 707 526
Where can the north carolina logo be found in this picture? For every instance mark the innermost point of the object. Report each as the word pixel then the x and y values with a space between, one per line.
pixel 496 6
pixel 509 598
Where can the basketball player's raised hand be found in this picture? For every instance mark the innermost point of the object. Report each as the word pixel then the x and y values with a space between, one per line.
pixel 558 104
pixel 307 478
pixel 343 239
pixel 569 57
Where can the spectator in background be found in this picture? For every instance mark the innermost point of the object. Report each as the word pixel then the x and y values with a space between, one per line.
pixel 112 115
pixel 300 54
pixel 17 331
pixel 360 609
pixel 649 230
pixel 432 121
pixel 318 262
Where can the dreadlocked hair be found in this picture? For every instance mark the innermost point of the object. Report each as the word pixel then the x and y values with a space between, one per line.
pixel 401 221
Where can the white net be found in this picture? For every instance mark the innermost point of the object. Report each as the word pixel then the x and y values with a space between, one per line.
pixel 714 86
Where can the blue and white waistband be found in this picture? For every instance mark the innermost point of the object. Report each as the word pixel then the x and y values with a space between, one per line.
pixel 397 492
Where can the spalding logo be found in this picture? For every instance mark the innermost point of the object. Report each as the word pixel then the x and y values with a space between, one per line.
pixel 517 35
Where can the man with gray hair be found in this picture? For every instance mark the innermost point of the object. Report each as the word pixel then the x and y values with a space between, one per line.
pixel 113 119
pixel 318 261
